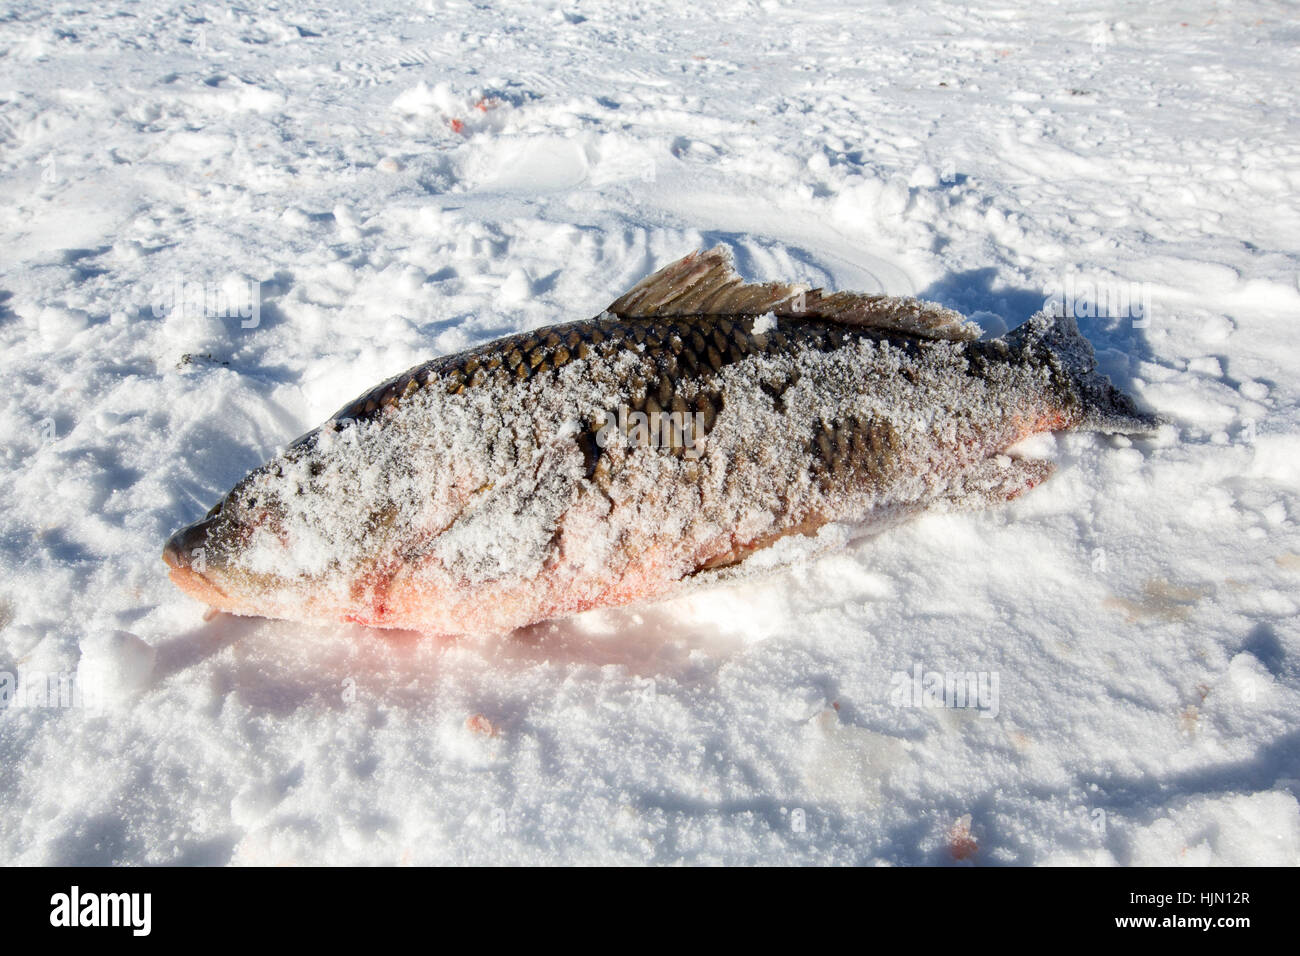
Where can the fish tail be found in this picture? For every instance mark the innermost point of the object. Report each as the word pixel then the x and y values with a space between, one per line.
pixel 1101 406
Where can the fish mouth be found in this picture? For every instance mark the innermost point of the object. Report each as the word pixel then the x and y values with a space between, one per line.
pixel 179 550
pixel 179 556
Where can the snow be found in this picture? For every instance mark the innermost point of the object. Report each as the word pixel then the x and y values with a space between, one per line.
pixel 397 182
pixel 114 667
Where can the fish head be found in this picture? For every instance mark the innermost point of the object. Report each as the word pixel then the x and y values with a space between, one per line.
pixel 235 557
pixel 318 532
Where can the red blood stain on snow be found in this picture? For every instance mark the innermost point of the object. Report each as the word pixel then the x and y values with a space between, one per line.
pixel 478 724
pixel 961 844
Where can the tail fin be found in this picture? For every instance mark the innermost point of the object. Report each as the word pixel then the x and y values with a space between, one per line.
pixel 1057 339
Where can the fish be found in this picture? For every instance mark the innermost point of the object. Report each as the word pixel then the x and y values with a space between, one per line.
pixel 700 428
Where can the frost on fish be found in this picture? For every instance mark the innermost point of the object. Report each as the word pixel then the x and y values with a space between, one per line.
pixel 697 421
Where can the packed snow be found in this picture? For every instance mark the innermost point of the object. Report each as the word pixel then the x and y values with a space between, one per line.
pixel 218 224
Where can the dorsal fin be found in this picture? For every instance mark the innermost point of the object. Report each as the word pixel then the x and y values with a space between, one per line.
pixel 706 283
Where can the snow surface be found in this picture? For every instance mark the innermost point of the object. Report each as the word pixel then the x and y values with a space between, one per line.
pixel 398 181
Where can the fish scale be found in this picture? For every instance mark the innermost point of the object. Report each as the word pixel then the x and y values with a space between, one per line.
pixel 692 348
pixel 537 475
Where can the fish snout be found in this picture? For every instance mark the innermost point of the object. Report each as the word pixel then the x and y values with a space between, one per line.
pixel 187 548
pixel 196 564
